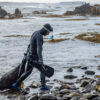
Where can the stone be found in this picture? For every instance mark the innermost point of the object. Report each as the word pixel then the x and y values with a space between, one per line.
pixel 33 86
pixel 84 68
pixel 66 97
pixel 35 97
pixel 70 70
pixel 97 98
pixel 3 13
pixel 12 16
pixel 74 94
pixel 98 67
pixel 85 9
pixel 18 13
pixel 98 88
pixel 69 13
pixel 64 86
pixel 64 91
pixel 75 98
pixel 89 72
pixel 48 97
pixel 89 96
pixel 39 12
pixel 22 98
pixel 84 83
pixel 70 77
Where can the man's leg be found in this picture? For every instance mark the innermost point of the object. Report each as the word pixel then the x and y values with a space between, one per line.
pixel 43 83
pixel 25 74
pixel 42 76
pixel 23 77
pixel 22 67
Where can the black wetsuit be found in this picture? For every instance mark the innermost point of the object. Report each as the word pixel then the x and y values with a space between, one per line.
pixel 34 53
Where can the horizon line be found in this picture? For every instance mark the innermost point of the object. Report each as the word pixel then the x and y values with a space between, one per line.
pixel 38 2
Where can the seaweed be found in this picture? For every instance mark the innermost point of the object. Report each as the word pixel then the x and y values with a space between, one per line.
pixel 58 40
pixel 75 19
pixel 92 37
pixel 16 36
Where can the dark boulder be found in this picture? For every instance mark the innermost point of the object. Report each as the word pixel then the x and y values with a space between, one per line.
pixel 70 77
pixel 69 70
pixel 18 13
pixel 3 13
pixel 89 72
pixel 83 10
pixel 84 83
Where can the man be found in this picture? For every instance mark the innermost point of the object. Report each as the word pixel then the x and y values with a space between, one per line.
pixel 34 53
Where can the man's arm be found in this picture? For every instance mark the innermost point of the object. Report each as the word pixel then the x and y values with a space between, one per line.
pixel 39 48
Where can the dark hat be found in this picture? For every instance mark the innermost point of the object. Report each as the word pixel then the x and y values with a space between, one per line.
pixel 48 27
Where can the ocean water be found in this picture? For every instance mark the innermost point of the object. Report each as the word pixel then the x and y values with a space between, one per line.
pixel 61 55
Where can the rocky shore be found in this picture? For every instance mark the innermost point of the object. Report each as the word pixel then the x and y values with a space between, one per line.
pixel 83 88
pixel 5 15
pixel 84 10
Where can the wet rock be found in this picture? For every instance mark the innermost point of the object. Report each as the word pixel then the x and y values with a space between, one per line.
pixel 39 12
pixel 66 97
pixel 84 68
pixel 18 13
pixel 74 94
pixel 64 86
pixel 83 75
pixel 75 98
pixel 7 17
pixel 33 86
pixel 70 70
pixel 27 89
pixel 55 80
pixel 85 9
pixel 95 10
pixel 22 98
pixel 70 77
pixel 48 97
pixel 11 97
pixel 84 83
pixel 81 99
pixel 89 72
pixel 69 13
pixel 89 96
pixel 64 91
pixel 3 13
pixel 98 67
pixel 35 97
pixel 98 87
pixel 97 98
pixel 59 95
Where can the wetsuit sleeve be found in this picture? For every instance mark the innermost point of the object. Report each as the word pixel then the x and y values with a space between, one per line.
pixel 39 48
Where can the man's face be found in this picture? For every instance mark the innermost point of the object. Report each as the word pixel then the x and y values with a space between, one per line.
pixel 47 33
